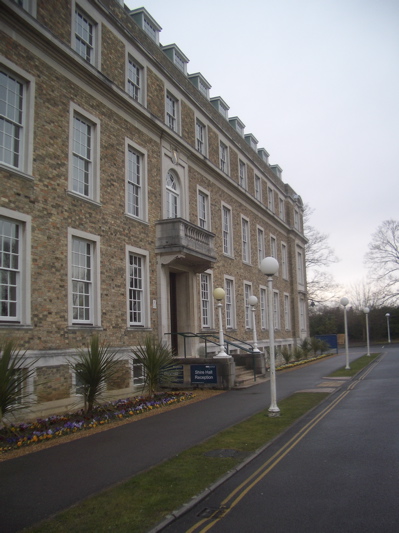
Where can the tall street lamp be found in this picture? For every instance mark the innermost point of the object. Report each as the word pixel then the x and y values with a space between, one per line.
pixel 269 266
pixel 389 333
pixel 219 295
pixel 366 311
pixel 253 300
pixel 344 301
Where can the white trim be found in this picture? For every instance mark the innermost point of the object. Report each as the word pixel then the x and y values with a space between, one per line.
pixel 96 296
pixel 233 318
pixel 146 289
pixel 208 222
pixel 24 296
pixel 75 111
pixel 246 260
pixel 144 179
pixel 248 322
pixel 230 233
pixel 85 8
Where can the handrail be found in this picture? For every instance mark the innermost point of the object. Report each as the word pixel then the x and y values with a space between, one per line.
pixel 206 337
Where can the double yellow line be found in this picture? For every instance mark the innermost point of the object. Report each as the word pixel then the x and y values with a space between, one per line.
pixel 241 490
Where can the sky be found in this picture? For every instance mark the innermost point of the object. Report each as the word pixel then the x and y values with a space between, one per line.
pixel 317 83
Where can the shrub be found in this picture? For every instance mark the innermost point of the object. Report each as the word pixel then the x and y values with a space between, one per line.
pixel 305 347
pixel 14 373
pixel 94 366
pixel 157 361
pixel 315 344
pixel 297 353
pixel 286 354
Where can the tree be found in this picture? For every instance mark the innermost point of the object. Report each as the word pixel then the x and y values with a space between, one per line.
pixel 365 294
pixel 94 367
pixel 382 259
pixel 319 256
pixel 158 363
pixel 14 373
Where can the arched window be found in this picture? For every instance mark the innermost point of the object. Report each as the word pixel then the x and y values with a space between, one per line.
pixel 172 196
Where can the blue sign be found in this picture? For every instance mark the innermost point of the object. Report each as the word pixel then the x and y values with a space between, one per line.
pixel 203 374
pixel 331 340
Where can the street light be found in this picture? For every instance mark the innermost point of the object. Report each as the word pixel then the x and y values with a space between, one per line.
pixel 219 295
pixel 366 311
pixel 253 300
pixel 344 301
pixel 389 333
pixel 269 266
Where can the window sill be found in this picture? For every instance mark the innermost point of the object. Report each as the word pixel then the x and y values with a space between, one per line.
pixel 84 198
pixel 16 172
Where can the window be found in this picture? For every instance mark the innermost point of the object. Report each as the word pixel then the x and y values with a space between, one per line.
pixel 270 199
pixel 84 178
pixel 246 254
pixel 135 184
pixel 28 5
pixel 287 314
pixel 301 278
pixel 284 260
pixel 261 245
pixel 258 188
pixel 206 308
pixel 84 278
pixel 84 36
pixel 263 309
pixel 242 175
pixel 229 303
pixel 296 220
pixel 136 290
pixel 248 311
pixel 281 210
pixel 14 267
pixel 172 196
pixel 273 247
pixel 276 310
pixel 223 158
pixel 302 314
pixel 11 120
pixel 227 231
pixel 203 210
pixel 171 112
pixel 200 137
pixel 137 279
pixel 138 374
pixel 135 80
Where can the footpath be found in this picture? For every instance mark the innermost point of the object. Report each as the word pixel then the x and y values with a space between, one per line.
pixel 40 484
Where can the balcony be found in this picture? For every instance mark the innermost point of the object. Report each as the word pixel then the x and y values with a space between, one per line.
pixel 182 243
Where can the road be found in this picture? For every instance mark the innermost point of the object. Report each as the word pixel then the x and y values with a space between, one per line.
pixel 335 471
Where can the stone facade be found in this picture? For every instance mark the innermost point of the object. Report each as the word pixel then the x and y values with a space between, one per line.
pixel 66 85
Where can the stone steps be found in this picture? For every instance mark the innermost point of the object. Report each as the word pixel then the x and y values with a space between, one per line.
pixel 245 378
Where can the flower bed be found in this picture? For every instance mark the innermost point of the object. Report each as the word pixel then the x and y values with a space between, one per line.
pixel 302 361
pixel 42 429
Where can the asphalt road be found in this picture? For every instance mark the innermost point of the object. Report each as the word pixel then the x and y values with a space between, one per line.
pixel 335 471
pixel 40 484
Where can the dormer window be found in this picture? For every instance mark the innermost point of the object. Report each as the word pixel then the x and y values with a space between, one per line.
pixel 264 155
pixel 277 170
pixel 200 83
pixel 176 56
pixel 237 125
pixel 252 141
pixel 143 19
pixel 220 105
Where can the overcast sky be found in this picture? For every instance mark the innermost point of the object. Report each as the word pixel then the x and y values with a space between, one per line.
pixel 317 83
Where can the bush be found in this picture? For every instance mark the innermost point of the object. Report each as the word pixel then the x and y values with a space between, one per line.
pixel 14 373
pixel 305 348
pixel 157 361
pixel 286 354
pixel 94 366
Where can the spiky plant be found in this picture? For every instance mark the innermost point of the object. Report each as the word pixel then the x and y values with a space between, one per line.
pixel 158 363
pixel 15 370
pixel 94 367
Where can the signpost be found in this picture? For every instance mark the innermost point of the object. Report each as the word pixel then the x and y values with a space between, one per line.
pixel 204 374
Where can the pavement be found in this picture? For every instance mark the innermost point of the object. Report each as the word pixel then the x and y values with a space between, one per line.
pixel 38 485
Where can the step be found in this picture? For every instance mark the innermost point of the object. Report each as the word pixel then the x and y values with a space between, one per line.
pixel 245 378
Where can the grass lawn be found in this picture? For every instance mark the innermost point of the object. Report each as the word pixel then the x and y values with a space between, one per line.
pixel 138 504
pixel 355 366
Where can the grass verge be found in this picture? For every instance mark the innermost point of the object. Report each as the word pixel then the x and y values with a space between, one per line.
pixel 143 501
pixel 355 366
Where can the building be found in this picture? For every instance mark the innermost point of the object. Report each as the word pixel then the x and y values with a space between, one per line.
pixel 128 194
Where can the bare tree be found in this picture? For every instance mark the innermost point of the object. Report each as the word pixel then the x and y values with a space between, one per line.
pixel 365 294
pixel 319 256
pixel 382 259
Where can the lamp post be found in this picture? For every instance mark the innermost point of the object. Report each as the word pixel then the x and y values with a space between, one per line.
pixel 253 300
pixel 366 311
pixel 344 301
pixel 389 333
pixel 219 295
pixel 269 267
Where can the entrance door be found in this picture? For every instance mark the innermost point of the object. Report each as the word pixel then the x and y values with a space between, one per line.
pixel 173 312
